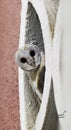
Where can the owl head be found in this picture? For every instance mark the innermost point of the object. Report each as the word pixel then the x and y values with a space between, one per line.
pixel 28 58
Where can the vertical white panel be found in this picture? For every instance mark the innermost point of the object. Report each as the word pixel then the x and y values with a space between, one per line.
pixel 24 4
pixel 65 65
pixel 56 58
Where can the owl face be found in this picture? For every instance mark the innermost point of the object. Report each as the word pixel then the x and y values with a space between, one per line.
pixel 29 57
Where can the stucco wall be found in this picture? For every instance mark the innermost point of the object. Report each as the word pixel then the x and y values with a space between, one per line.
pixel 9 36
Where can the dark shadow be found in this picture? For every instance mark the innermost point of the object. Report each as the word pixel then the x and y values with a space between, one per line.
pixel 51 121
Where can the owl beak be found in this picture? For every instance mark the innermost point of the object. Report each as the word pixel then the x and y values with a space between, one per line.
pixel 31 63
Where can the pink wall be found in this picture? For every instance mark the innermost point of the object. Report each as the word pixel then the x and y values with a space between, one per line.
pixel 9 36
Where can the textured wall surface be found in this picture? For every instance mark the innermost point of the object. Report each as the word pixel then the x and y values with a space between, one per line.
pixel 9 36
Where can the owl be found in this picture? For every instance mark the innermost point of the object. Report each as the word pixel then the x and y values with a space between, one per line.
pixel 32 61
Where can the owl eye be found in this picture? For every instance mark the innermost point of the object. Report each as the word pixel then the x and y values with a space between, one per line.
pixel 23 60
pixel 32 53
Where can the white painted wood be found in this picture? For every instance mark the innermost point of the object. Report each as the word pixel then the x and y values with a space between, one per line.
pixel 24 6
pixel 65 65
pixel 58 63
pixel 58 32
pixel 20 72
